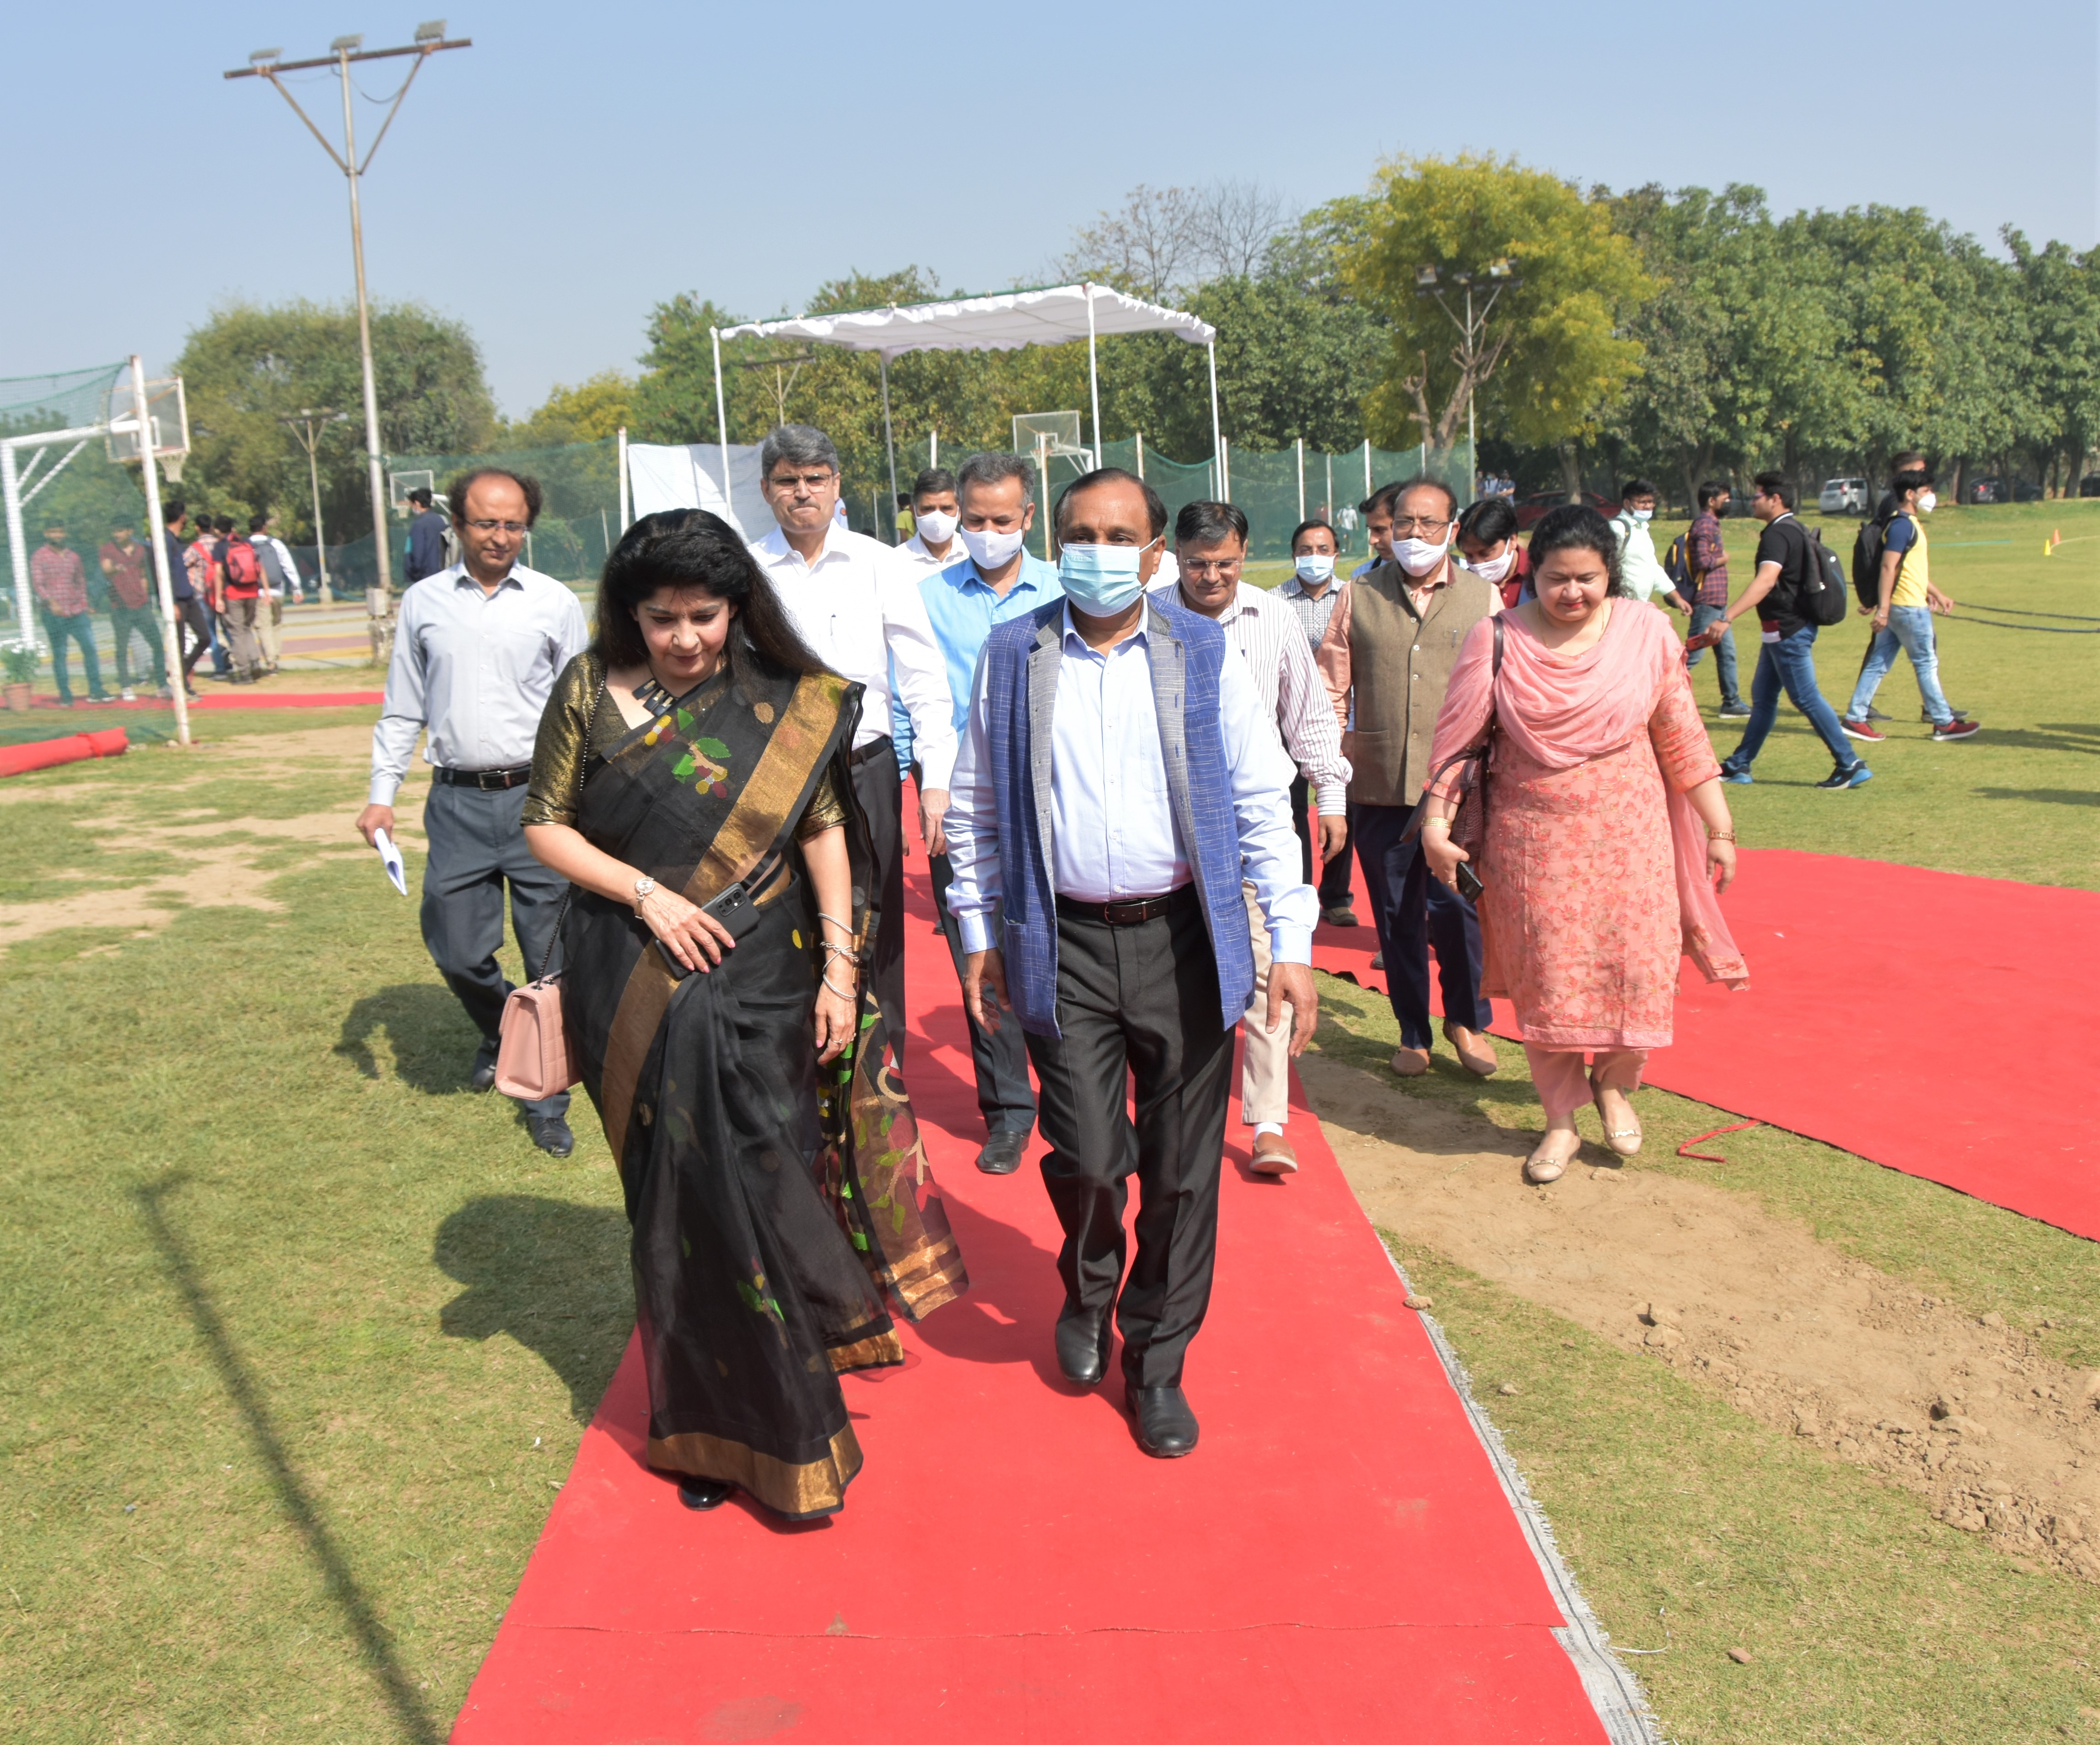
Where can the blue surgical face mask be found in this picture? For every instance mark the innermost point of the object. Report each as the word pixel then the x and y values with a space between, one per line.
pixel 1314 565
pixel 1101 581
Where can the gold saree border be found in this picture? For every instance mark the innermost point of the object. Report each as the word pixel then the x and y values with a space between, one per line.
pixel 814 1487
pixel 784 769
pixel 875 1352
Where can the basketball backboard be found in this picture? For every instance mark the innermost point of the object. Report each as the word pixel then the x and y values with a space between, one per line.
pixel 1051 432
pixel 167 414
pixel 399 485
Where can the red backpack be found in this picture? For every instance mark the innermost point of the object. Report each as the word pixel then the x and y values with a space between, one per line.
pixel 242 568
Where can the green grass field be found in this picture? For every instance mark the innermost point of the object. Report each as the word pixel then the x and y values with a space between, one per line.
pixel 301 1336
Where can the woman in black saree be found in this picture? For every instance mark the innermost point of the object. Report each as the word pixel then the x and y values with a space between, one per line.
pixel 690 779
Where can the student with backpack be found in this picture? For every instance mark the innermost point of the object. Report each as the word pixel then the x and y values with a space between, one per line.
pixel 1697 567
pixel 240 599
pixel 1895 562
pixel 1799 587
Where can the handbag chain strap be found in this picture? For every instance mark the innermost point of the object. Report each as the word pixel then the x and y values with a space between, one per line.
pixel 590 730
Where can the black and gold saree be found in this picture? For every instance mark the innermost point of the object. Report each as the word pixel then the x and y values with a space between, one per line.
pixel 777 1207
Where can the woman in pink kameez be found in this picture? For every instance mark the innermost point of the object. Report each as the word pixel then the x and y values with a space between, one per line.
pixel 1608 838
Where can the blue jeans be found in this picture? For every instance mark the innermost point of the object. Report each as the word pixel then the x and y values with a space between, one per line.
pixel 1724 651
pixel 1909 628
pixel 1789 663
pixel 63 628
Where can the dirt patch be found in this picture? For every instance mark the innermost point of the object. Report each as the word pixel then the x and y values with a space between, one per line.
pixel 1795 1333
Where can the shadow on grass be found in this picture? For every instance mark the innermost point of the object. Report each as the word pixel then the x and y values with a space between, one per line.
pixel 292 1495
pixel 433 1042
pixel 552 1274
pixel 2054 796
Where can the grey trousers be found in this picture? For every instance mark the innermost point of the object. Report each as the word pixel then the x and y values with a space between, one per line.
pixel 1005 1098
pixel 477 845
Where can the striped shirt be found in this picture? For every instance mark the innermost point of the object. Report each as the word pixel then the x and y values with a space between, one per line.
pixel 1312 613
pixel 1267 633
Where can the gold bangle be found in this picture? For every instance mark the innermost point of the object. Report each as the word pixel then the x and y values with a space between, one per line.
pixel 1439 818
pixel 1720 836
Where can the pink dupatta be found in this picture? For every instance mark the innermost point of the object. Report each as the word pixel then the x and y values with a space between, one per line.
pixel 1561 711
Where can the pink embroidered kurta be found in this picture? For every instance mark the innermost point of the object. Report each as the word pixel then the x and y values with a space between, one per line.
pixel 1594 862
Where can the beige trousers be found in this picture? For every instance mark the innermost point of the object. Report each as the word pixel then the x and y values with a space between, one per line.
pixel 269 618
pixel 1265 1068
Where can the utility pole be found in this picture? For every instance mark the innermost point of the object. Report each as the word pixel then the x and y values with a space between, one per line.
pixel 305 424
pixel 1497 277
pixel 344 51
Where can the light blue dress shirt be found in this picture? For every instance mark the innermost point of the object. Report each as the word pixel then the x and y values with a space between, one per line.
pixel 1111 822
pixel 962 607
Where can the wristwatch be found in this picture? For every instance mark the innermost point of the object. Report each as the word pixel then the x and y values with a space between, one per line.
pixel 643 887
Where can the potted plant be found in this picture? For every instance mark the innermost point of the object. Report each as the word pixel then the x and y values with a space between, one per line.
pixel 21 666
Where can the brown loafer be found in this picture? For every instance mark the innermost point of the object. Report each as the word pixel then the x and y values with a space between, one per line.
pixel 1475 1053
pixel 1272 1156
pixel 1409 1063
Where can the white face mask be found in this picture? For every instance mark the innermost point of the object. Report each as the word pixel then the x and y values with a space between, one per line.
pixel 936 528
pixel 1493 569
pixel 1315 566
pixel 1928 500
pixel 1418 557
pixel 1643 514
pixel 990 550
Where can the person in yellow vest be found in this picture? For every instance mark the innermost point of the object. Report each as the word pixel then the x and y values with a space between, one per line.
pixel 1902 618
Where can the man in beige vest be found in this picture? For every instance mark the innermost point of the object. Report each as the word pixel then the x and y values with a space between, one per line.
pixel 1393 640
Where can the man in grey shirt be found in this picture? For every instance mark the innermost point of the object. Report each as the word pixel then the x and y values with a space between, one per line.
pixel 476 651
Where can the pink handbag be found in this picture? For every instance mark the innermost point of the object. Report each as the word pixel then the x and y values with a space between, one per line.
pixel 534 1056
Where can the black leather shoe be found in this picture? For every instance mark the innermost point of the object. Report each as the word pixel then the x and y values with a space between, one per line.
pixel 1083 1346
pixel 696 1492
pixel 482 1078
pixel 551 1134
pixel 1001 1155
pixel 1166 1426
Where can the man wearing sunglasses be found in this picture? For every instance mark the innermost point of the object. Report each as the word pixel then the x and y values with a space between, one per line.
pixel 477 650
pixel 1394 637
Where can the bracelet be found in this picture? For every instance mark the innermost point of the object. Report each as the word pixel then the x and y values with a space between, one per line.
pixel 844 993
pixel 1720 836
pixel 834 921
pixel 1439 819
pixel 839 951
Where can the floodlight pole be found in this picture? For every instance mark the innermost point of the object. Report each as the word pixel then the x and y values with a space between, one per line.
pixel 1217 437
pixel 343 52
pixel 1301 478
pixel 156 530
pixel 721 421
pixel 302 424
pixel 1094 379
pixel 626 494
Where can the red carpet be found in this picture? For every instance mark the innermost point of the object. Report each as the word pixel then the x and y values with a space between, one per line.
pixel 1336 1562
pixel 238 699
pixel 1934 1023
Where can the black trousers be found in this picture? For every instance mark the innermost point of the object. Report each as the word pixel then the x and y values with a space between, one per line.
pixel 1137 1001
pixel 1334 875
pixel 194 625
pixel 879 786
pixel 477 846
pixel 1005 1098
pixel 1411 911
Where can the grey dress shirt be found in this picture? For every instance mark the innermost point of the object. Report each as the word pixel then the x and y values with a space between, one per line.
pixel 475 669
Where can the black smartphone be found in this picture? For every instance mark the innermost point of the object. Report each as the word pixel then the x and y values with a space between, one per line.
pixel 1469 882
pixel 734 907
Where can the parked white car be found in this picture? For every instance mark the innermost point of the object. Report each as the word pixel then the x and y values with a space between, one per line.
pixel 1843 497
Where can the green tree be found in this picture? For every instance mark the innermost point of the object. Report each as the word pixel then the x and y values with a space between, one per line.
pixel 592 411
pixel 248 366
pixel 1551 358
pixel 2060 293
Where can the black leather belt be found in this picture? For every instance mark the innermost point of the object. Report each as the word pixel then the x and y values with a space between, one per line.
pixel 489 781
pixel 1129 911
pixel 872 749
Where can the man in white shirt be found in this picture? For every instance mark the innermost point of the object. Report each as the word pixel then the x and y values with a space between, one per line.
pixel 862 621
pixel 1117 783
pixel 281 583
pixel 477 649
pixel 932 546
pixel 1210 540
pixel 1641 572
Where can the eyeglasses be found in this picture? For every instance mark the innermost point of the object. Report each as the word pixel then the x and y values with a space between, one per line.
pixel 490 526
pixel 1202 569
pixel 1404 526
pixel 810 480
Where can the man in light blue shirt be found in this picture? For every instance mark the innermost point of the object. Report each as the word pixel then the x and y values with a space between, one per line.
pixel 998 580
pixel 477 650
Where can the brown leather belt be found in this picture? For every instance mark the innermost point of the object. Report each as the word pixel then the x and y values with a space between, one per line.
pixel 489 781
pixel 1128 911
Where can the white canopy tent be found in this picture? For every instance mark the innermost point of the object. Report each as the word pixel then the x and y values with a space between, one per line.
pixel 1053 315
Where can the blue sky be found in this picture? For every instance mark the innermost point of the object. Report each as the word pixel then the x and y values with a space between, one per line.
pixel 579 164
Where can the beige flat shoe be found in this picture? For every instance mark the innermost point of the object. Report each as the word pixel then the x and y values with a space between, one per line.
pixel 1625 1140
pixel 1475 1052
pixel 1272 1156
pixel 1409 1063
pixel 1550 1161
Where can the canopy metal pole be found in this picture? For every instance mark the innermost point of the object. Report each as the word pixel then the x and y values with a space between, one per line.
pixel 1301 478
pixel 889 442
pixel 626 519
pixel 1330 498
pixel 933 446
pixel 1217 440
pixel 1042 478
pixel 1140 454
pixel 722 422
pixel 1093 379
pixel 149 476
pixel 1367 466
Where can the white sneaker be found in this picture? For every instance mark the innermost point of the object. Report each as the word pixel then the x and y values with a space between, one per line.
pixel 129 694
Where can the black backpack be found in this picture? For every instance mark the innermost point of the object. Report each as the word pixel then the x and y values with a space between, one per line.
pixel 1819 596
pixel 1867 545
pixel 1676 563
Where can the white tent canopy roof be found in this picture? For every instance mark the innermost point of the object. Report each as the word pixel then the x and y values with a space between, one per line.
pixel 1050 316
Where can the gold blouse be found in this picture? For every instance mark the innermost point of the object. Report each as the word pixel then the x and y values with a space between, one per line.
pixel 559 754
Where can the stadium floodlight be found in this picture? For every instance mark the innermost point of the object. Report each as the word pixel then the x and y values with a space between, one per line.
pixel 266 57
pixel 1498 276
pixel 1425 280
pixel 345 50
